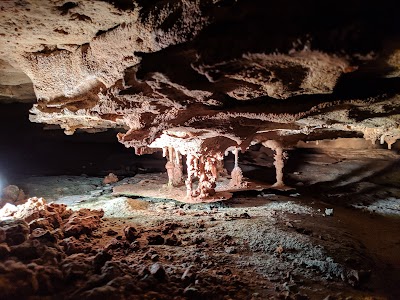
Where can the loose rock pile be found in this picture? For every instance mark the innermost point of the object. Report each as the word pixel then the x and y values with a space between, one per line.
pixel 48 250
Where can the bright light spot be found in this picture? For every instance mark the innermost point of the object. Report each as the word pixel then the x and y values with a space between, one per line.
pixel 1 185
pixel 6 211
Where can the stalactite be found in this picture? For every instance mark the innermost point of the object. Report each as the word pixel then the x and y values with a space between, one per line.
pixel 279 158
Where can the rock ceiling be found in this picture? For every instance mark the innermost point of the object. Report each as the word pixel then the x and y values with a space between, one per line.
pixel 217 73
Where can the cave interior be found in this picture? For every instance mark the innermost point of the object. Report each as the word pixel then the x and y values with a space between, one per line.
pixel 175 149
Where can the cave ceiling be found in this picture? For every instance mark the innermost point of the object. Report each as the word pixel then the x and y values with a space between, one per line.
pixel 214 73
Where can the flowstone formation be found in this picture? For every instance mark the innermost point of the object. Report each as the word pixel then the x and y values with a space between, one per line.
pixel 198 78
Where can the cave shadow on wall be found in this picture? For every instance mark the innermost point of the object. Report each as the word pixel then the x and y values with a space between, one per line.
pixel 345 183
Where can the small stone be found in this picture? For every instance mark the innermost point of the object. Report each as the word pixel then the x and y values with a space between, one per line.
pixel 111 232
pixel 190 292
pixel 188 275
pixel 157 270
pixel 155 239
pixel 329 212
pixel 245 216
pixel 290 225
pixel 291 287
pixel 26 251
pixel 172 241
pixel 102 292
pixel 83 221
pixel 7 210
pixel 43 234
pixel 200 224
pixel 131 233
pixel 155 257
pixel 40 223
pixel 100 259
pixel 279 249
pixel 134 246
pixel 230 250
pixel 353 278
pixel 16 231
pixel 110 178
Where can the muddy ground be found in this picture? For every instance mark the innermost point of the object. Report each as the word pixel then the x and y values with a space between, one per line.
pixel 334 238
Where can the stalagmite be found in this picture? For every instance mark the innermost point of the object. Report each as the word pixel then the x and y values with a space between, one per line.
pixel 279 160
pixel 237 174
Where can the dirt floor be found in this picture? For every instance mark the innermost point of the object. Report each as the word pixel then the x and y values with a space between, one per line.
pixel 318 241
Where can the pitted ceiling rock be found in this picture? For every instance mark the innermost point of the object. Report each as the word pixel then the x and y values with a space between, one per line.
pixel 245 71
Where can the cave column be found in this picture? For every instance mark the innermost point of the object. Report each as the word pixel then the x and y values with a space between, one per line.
pixel 173 166
pixel 279 158
pixel 279 164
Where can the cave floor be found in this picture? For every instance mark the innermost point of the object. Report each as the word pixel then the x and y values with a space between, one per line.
pixel 258 245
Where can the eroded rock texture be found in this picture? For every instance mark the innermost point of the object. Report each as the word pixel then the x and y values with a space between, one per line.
pixel 204 77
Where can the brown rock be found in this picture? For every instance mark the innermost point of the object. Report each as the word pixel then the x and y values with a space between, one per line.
pixel 4 250
pixel 40 223
pixel 43 234
pixel 100 259
pixel 111 270
pixel 83 221
pixel 16 231
pixel 103 292
pixel 111 232
pixel 131 233
pixel 50 278
pixel 155 239
pixel 110 178
pixel 157 270
pixel 12 193
pixel 173 241
pixel 76 266
pixel 26 251
pixel 72 245
pixel 16 272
